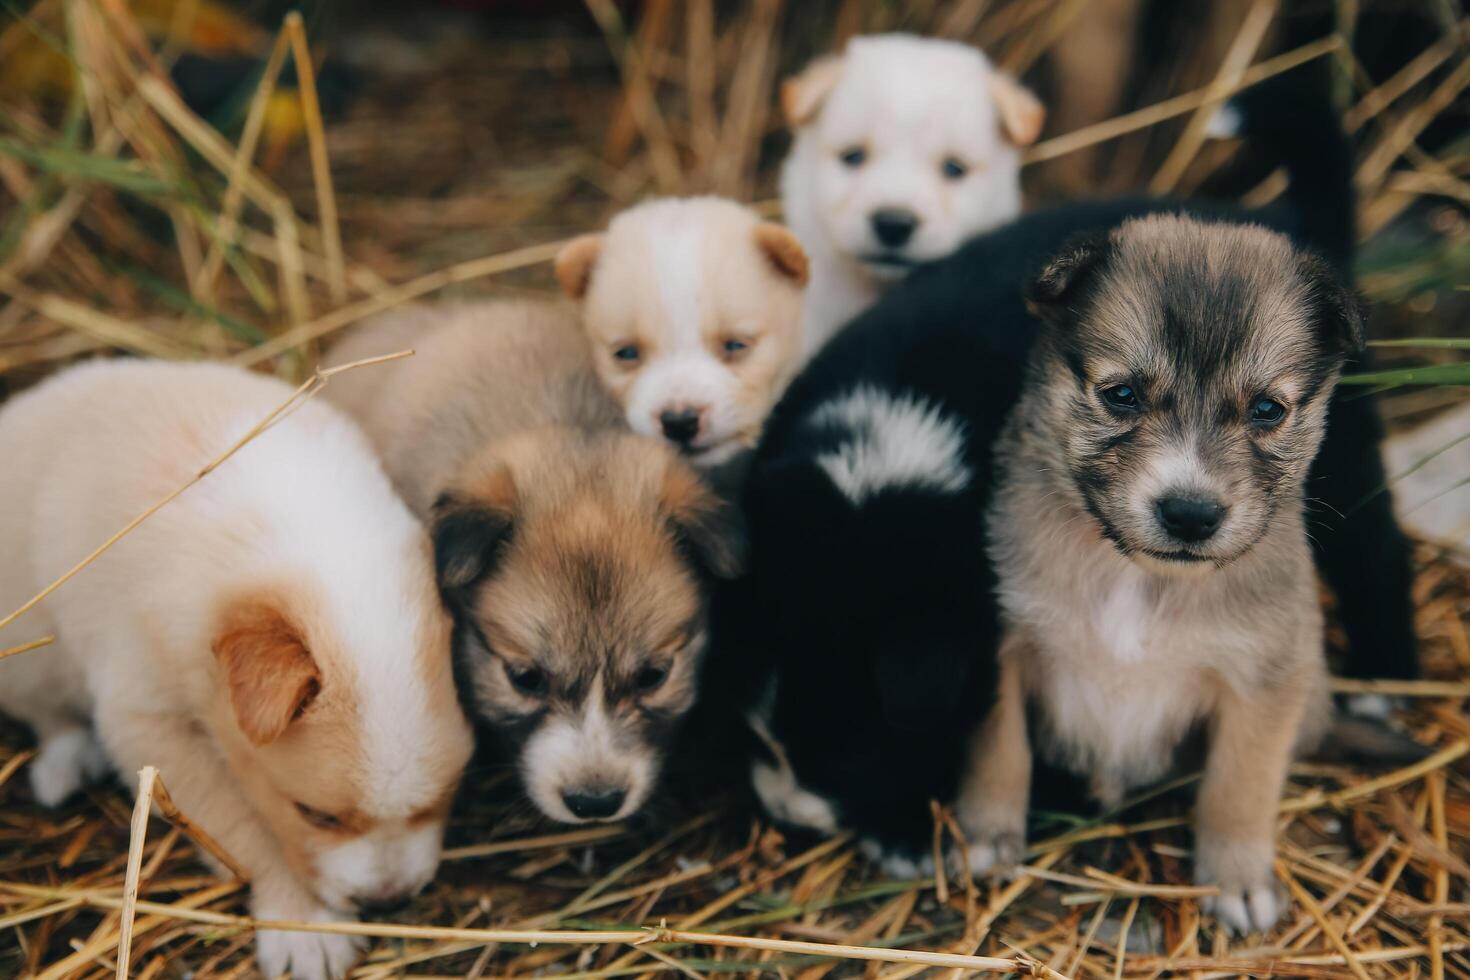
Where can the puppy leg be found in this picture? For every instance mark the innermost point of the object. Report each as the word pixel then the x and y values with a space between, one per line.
pixel 994 791
pixel 67 758
pixel 203 787
pixel 1235 819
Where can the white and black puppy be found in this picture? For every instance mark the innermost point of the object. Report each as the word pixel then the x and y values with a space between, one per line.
pixel 904 147
pixel 866 500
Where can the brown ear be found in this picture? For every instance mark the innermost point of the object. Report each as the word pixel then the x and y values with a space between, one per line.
pixel 574 264
pixel 802 94
pixel 706 527
pixel 1021 113
pixel 269 670
pixel 785 253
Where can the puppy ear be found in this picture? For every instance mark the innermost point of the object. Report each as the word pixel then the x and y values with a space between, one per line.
pixel 1052 293
pixel 270 673
pixel 802 94
pixel 706 527
pixel 1340 312
pixel 574 264
pixel 1021 112
pixel 471 531
pixel 783 251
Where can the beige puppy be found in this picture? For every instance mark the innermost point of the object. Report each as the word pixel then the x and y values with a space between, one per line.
pixel 571 551
pixel 903 148
pixel 271 640
pixel 693 309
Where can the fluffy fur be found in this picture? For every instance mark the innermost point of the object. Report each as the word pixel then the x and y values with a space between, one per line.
pixel 838 580
pixel 904 147
pixel 573 553
pixel 693 310
pixel 1128 628
pixel 271 640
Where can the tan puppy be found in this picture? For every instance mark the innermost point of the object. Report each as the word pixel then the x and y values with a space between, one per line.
pixel 270 640
pixel 571 551
pixel 693 308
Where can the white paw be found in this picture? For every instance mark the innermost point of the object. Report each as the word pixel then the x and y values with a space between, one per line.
pixel 896 864
pixel 307 955
pixel 1372 707
pixel 64 763
pixel 1249 900
pixel 991 853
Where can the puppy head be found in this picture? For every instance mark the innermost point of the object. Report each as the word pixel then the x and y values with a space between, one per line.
pixel 1185 374
pixel 575 567
pixel 338 717
pixel 693 308
pixel 905 147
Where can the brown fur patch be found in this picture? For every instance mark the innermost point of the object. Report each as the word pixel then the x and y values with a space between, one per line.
pixel 574 264
pixel 1021 113
pixel 785 252
pixel 269 669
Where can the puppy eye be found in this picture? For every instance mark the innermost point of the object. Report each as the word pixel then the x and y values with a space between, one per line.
pixel 1121 397
pixel 318 818
pixel 628 353
pixel 854 156
pixel 651 678
pixel 733 348
pixel 530 681
pixel 1267 412
pixel 954 168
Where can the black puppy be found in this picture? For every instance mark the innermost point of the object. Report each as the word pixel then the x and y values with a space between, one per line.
pixel 870 600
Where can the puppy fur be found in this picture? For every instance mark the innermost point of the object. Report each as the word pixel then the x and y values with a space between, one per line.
pixel 955 337
pixel 271 640
pixel 693 310
pixel 903 148
pixel 1180 361
pixel 573 553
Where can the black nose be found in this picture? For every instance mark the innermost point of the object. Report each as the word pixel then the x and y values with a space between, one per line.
pixel 680 425
pixel 1190 518
pixel 894 226
pixel 594 802
pixel 383 904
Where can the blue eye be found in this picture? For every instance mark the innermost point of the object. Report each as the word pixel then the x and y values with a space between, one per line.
pixel 954 168
pixel 853 156
pixel 733 346
pixel 1121 397
pixel 1267 411
pixel 628 353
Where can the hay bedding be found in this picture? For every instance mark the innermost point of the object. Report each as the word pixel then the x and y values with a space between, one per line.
pixel 111 249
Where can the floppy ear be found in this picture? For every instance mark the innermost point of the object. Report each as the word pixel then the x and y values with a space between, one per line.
pixel 706 527
pixel 802 94
pixel 1340 311
pixel 1021 112
pixel 267 666
pixel 783 251
pixel 574 264
pixel 471 531
pixel 1052 292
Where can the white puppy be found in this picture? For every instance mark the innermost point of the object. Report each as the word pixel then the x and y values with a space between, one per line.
pixel 904 147
pixel 693 309
pixel 271 640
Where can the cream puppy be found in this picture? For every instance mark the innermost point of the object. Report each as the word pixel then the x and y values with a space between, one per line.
pixel 903 148
pixel 693 309
pixel 271 640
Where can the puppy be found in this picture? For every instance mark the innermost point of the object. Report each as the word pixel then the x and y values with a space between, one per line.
pixel 903 148
pixel 891 427
pixel 573 554
pixel 1150 539
pixel 271 640
pixel 693 310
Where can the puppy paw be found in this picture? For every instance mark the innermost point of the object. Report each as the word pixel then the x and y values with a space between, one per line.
pixel 1249 899
pixel 897 862
pixel 306 955
pixel 64 763
pixel 990 853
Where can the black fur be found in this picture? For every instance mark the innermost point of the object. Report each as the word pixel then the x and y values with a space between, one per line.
pixel 878 621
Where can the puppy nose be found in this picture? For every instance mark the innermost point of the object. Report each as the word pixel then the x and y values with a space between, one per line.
pixel 680 425
pixel 385 903
pixel 894 226
pixel 1191 519
pixel 594 802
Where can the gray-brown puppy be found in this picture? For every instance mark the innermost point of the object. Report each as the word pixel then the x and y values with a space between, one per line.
pixel 1149 536
pixel 571 551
